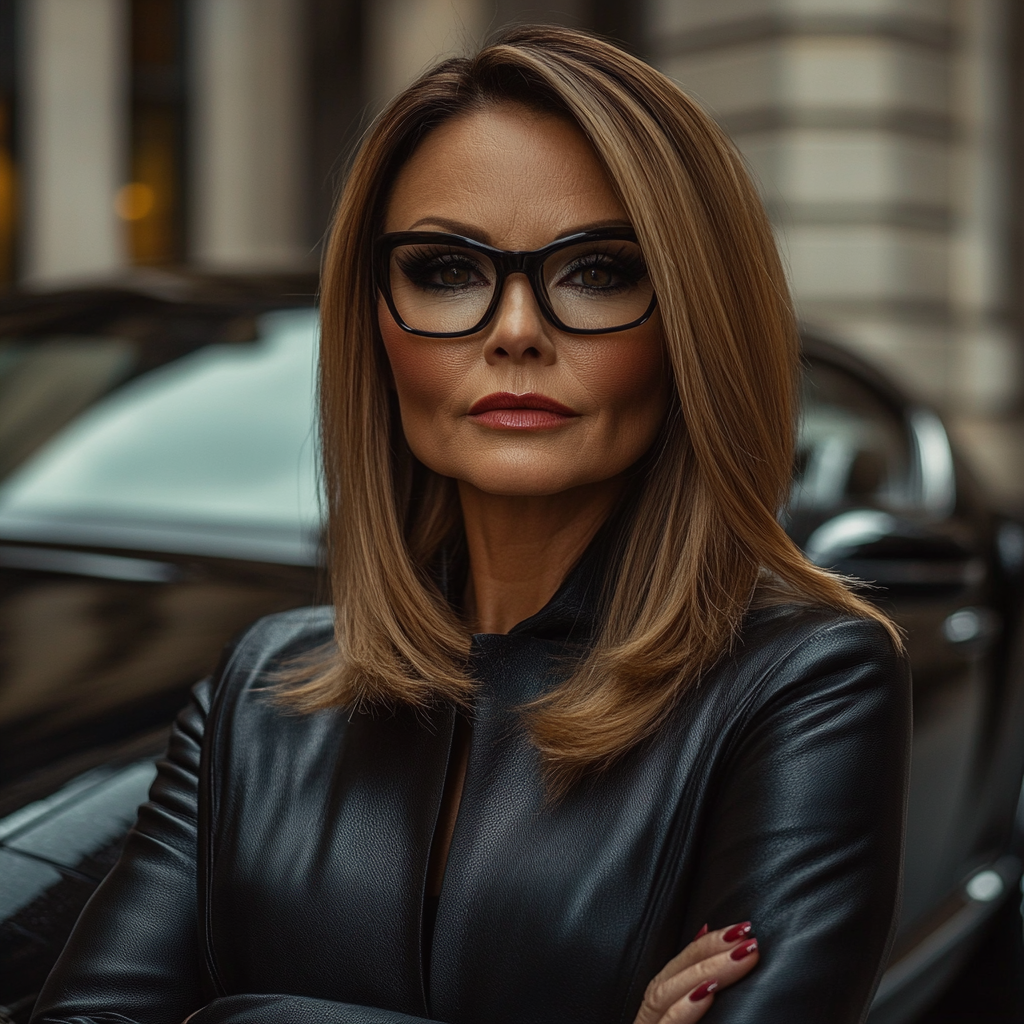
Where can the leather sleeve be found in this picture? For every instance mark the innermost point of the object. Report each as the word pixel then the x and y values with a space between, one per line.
pixel 805 835
pixel 277 1009
pixel 133 956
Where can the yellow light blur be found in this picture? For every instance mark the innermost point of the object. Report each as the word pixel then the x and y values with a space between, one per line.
pixel 8 205
pixel 134 201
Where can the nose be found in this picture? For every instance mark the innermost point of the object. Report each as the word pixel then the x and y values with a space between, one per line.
pixel 518 332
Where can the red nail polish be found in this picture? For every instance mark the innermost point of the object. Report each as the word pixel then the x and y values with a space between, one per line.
pixel 702 991
pixel 737 931
pixel 701 933
pixel 745 950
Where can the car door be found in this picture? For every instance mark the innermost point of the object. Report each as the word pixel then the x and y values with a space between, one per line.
pixel 875 498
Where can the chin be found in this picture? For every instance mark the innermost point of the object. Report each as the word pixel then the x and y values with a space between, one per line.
pixel 509 483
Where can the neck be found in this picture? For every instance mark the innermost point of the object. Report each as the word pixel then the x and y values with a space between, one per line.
pixel 521 548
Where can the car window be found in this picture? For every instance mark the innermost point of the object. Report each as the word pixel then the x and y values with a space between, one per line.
pixel 853 449
pixel 212 453
pixel 45 383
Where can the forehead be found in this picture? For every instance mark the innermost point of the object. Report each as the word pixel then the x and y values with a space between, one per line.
pixel 518 177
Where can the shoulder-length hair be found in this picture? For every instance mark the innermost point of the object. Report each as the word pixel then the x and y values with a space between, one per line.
pixel 705 526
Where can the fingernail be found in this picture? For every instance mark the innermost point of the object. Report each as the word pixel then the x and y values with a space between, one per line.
pixel 737 931
pixel 701 933
pixel 703 991
pixel 745 950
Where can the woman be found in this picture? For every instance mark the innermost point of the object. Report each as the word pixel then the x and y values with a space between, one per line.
pixel 578 695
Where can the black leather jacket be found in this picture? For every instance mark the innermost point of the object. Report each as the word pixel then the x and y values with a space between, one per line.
pixel 277 873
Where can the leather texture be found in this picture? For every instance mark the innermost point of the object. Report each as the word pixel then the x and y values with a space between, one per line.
pixel 277 873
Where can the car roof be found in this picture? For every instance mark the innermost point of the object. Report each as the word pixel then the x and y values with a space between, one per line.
pixel 84 307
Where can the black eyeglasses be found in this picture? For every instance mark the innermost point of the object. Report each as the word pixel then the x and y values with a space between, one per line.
pixel 446 286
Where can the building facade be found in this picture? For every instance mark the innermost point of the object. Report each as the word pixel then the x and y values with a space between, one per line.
pixel 885 136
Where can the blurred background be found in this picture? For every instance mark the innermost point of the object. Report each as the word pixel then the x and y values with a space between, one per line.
pixel 886 136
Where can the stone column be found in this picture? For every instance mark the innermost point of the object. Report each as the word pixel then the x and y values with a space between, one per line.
pixel 872 127
pixel 74 157
pixel 405 37
pixel 247 135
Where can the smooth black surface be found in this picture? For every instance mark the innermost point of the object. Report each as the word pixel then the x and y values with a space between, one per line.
pixel 127 651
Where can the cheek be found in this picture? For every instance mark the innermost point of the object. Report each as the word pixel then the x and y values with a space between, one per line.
pixel 416 372
pixel 424 375
pixel 631 379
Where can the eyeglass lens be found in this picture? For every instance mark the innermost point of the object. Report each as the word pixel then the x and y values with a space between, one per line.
pixel 444 289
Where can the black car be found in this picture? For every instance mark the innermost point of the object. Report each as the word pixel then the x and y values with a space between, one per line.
pixel 160 493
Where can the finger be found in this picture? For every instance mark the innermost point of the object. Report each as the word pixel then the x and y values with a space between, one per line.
pixel 704 945
pixel 673 980
pixel 693 1005
pixel 725 967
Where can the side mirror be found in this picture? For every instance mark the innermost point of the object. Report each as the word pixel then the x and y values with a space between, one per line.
pixel 897 555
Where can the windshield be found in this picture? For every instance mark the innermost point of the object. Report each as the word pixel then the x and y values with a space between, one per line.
pixel 213 453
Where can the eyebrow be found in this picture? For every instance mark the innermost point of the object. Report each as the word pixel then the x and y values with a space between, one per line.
pixel 456 227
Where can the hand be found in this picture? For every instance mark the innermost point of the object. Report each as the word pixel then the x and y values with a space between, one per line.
pixel 683 990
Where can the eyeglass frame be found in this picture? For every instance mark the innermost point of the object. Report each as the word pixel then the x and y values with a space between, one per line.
pixel 506 261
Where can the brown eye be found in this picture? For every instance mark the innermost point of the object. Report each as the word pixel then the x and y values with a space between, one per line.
pixel 596 277
pixel 454 276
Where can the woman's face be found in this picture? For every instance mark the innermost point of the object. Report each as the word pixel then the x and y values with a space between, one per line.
pixel 516 179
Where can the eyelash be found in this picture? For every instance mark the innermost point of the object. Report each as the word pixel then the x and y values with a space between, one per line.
pixel 426 262
pixel 631 268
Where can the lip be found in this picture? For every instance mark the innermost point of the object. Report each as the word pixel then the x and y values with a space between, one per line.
pixel 505 411
pixel 506 400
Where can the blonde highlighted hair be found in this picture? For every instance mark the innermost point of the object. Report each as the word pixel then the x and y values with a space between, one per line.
pixel 704 530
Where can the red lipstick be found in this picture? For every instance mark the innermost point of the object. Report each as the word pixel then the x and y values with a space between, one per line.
pixel 505 411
